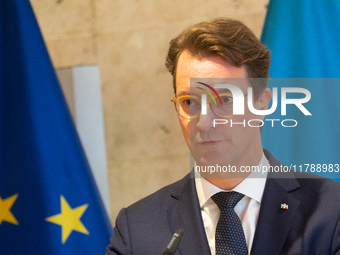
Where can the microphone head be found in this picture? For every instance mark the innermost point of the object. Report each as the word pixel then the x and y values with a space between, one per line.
pixel 172 246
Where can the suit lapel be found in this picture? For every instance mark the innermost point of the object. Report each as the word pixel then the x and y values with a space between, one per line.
pixel 186 214
pixel 274 223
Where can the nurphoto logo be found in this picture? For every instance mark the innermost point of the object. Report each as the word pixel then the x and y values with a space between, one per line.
pixel 231 101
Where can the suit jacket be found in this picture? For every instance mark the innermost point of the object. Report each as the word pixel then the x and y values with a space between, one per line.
pixel 309 226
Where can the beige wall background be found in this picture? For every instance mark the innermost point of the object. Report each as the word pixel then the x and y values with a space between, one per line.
pixel 128 40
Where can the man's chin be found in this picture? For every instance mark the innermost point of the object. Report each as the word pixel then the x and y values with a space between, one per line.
pixel 217 166
pixel 213 159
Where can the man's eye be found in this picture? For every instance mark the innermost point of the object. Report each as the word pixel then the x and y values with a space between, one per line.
pixel 188 102
pixel 226 99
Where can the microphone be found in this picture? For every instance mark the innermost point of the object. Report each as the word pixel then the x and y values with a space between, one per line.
pixel 172 246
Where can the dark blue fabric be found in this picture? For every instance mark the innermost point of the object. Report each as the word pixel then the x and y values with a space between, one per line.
pixel 311 225
pixel 303 37
pixel 41 156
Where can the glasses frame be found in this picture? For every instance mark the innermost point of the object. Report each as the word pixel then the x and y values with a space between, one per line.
pixel 174 99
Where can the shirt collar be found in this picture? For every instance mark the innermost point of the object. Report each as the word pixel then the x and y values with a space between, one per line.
pixel 250 186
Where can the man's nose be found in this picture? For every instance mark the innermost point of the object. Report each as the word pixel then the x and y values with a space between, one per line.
pixel 206 121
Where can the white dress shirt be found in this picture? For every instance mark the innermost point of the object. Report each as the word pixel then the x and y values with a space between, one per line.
pixel 247 208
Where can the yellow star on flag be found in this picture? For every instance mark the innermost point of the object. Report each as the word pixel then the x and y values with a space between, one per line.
pixel 69 219
pixel 5 210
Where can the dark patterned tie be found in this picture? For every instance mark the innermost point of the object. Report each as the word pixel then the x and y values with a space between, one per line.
pixel 229 238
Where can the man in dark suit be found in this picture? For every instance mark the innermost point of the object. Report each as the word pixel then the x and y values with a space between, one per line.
pixel 283 212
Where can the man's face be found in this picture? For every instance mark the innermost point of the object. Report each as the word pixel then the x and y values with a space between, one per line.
pixel 222 144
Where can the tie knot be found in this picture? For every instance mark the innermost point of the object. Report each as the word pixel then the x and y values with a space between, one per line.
pixel 227 200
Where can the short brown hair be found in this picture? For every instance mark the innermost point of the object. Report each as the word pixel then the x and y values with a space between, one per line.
pixel 227 38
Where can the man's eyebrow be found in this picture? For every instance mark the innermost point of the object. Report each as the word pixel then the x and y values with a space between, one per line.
pixel 183 93
pixel 223 90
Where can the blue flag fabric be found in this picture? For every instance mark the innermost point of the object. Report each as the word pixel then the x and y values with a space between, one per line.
pixel 48 200
pixel 304 36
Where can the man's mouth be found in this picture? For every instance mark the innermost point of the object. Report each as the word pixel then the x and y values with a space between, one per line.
pixel 209 142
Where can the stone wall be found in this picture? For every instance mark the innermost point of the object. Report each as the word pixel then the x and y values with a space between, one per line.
pixel 128 39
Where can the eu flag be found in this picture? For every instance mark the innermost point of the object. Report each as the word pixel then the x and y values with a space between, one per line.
pixel 49 203
pixel 304 36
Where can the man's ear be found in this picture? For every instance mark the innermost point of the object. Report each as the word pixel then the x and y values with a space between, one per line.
pixel 264 99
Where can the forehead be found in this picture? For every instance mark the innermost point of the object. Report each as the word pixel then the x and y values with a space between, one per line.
pixel 189 66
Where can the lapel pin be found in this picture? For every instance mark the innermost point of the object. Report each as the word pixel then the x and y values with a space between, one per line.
pixel 284 206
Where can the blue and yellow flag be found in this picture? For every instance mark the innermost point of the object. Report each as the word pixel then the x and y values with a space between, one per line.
pixel 49 203
pixel 304 36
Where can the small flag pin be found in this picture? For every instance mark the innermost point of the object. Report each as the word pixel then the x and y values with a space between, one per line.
pixel 284 206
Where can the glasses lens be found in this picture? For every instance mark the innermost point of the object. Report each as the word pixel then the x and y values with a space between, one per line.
pixel 226 108
pixel 188 106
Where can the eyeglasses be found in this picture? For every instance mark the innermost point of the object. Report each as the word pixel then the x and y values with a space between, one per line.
pixel 189 106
